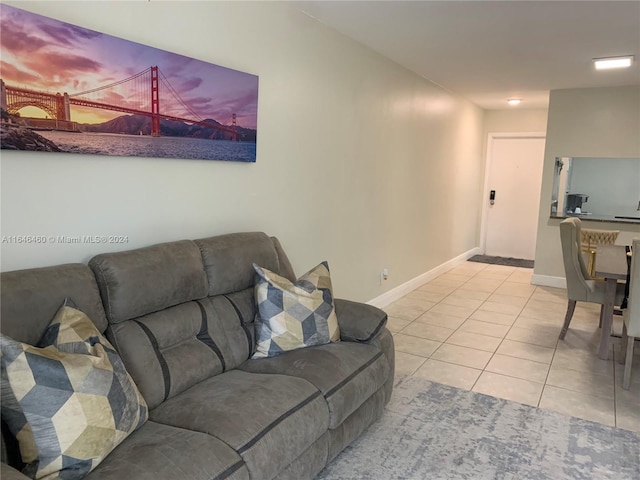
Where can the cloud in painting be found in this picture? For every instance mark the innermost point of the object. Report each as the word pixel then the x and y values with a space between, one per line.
pixel 190 84
pixel 59 34
pixel 66 34
pixel 59 71
pixel 80 32
pixel 199 103
pixel 16 40
pixel 9 72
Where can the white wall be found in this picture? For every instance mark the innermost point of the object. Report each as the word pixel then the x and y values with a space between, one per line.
pixel 359 161
pixel 513 120
pixel 587 122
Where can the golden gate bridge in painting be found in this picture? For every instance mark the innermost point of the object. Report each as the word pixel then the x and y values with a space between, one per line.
pixel 147 93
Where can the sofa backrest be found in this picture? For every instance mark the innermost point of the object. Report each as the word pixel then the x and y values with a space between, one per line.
pixel 29 299
pixel 182 312
pixel 228 260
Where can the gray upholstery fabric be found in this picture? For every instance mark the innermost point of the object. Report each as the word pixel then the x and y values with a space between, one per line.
pixel 169 351
pixel 162 353
pixel 29 299
pixel 268 419
pixel 228 258
pixel 346 373
pixel 145 280
pixel 356 423
pixel 8 473
pixel 359 322
pixel 384 342
pixel 161 451
pixel 309 463
pixel 244 304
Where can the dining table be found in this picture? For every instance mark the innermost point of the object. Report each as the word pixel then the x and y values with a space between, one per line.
pixel 610 264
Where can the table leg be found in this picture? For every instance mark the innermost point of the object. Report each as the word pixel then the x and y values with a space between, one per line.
pixel 607 318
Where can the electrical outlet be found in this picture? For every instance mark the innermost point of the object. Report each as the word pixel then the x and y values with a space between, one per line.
pixel 384 275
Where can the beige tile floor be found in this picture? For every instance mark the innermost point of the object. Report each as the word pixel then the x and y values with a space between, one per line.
pixel 485 328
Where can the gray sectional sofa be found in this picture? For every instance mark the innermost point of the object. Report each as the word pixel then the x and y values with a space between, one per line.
pixel 213 411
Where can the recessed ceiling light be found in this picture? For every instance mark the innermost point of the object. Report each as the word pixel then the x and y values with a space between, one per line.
pixel 514 101
pixel 613 62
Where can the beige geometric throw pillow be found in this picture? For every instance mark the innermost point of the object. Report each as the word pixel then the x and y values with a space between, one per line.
pixel 70 401
pixel 294 315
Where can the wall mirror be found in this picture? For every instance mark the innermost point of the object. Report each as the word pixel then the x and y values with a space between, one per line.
pixel 604 189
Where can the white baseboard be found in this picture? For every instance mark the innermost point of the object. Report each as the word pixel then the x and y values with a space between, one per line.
pixel 401 290
pixel 548 281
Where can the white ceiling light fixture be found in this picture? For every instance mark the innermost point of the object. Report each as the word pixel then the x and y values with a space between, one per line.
pixel 514 101
pixel 607 63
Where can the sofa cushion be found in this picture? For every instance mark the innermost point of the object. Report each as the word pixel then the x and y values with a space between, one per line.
pixel 346 373
pixel 294 315
pixel 70 401
pixel 145 280
pixel 158 451
pixel 268 419
pixel 169 351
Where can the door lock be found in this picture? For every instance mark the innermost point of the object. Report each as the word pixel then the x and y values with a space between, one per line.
pixel 492 197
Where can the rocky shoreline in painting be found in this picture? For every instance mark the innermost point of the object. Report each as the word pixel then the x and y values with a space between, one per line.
pixel 21 138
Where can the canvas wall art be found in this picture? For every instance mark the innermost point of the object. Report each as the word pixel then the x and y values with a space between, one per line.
pixel 70 89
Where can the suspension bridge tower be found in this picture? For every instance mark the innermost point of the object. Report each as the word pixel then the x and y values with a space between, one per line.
pixel 234 135
pixel 155 103
pixel 63 107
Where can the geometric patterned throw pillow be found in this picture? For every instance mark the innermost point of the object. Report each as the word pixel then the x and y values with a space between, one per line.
pixel 294 315
pixel 69 401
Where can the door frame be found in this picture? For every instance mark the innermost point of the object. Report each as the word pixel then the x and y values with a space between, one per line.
pixel 492 137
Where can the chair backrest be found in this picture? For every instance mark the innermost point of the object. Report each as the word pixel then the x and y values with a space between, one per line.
pixel 633 304
pixel 590 238
pixel 575 270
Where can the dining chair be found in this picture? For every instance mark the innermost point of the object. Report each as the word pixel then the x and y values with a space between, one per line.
pixel 590 239
pixel 631 328
pixel 580 286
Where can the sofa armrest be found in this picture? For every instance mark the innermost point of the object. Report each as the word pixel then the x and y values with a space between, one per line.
pixel 10 473
pixel 359 322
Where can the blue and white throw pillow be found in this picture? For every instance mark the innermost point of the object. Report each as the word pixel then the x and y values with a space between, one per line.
pixel 294 315
pixel 69 401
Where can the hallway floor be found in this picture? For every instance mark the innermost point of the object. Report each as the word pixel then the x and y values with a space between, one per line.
pixel 485 328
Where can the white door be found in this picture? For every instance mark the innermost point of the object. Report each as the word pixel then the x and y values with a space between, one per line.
pixel 515 175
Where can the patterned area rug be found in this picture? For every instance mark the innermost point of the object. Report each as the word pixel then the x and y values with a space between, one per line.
pixel 433 431
pixel 508 261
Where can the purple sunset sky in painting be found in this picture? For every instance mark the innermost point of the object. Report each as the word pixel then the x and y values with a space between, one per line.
pixel 41 53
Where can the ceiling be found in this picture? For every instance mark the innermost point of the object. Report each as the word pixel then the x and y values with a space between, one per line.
pixel 489 51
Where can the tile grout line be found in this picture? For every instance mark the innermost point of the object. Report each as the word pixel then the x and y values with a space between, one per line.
pixel 465 319
pixel 430 357
pixel 503 338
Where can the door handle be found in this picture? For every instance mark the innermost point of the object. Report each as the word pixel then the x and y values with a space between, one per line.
pixel 492 197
